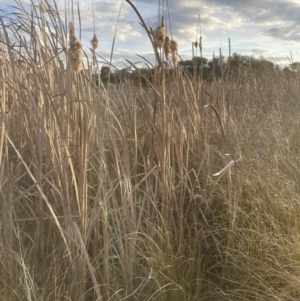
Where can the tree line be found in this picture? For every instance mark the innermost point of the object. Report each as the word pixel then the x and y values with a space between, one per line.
pixel 201 68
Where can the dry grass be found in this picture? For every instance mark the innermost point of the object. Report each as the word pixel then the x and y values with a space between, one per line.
pixel 111 196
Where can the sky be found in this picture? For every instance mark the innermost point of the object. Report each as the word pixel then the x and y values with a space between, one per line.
pixel 268 28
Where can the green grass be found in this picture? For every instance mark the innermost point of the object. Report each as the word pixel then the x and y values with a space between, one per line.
pixel 111 195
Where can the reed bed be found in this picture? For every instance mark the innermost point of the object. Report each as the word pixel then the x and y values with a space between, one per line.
pixel 180 191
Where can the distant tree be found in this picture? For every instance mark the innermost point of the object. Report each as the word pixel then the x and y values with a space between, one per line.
pixel 121 75
pixel 104 74
pixel 262 66
pixel 294 67
pixel 233 67
pixel 215 67
pixel 115 76
pixel 143 76
pixel 237 64
pixel 193 66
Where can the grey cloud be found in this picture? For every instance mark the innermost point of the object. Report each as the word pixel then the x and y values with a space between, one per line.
pixel 241 20
pixel 259 51
pixel 106 9
pixel 261 11
pixel 288 33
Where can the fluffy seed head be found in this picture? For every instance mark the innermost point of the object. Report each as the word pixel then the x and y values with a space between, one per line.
pixel 75 53
pixel 174 60
pixel 75 58
pixel 71 29
pixel 167 47
pixel 74 43
pixel 174 50
pixel 94 42
pixel 42 8
pixel 200 43
pixel 174 47
pixel 159 36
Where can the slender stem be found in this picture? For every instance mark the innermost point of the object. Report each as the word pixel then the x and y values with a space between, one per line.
pixel 147 31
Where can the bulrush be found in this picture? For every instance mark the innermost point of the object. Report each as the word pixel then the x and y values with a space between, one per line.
pixel 71 29
pixel 75 50
pixel 200 44
pixel 159 34
pixel 167 46
pixel 42 8
pixel 95 43
pixel 174 50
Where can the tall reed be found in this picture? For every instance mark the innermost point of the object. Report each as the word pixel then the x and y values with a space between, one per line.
pixel 142 193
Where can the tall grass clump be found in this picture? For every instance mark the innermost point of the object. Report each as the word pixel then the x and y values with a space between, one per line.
pixel 166 192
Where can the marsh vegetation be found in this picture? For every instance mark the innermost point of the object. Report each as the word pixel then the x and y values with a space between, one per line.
pixel 185 190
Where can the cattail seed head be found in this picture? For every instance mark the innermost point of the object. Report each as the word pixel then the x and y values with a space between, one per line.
pixel 76 61
pixel 75 51
pixel 167 46
pixel 42 8
pixel 174 60
pixel 94 42
pixel 159 36
pixel 74 43
pixel 174 50
pixel 200 43
pixel 71 29
pixel 174 47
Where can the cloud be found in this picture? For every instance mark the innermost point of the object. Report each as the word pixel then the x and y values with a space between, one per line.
pixel 289 32
pixel 262 12
pixel 254 26
pixel 260 51
pixel 125 32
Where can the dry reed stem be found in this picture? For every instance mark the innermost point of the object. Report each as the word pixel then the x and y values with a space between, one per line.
pixel 44 21
pixel 2 116
pixel 149 32
pixel 87 259
pixel 41 193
